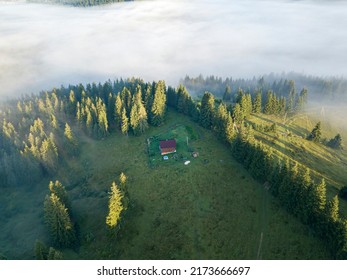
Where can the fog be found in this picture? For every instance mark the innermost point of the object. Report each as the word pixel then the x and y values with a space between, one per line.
pixel 44 46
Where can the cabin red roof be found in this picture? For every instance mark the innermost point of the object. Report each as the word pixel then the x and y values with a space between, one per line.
pixel 166 144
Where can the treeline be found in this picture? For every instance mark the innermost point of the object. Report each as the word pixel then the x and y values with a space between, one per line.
pixel 290 182
pixel 39 132
pixel 82 3
pixel 282 85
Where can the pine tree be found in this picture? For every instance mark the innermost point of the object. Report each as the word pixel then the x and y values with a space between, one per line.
pixel 118 111
pixel 182 100
pixel 257 103
pixel 138 114
pixel 270 103
pixel 336 142
pixel 40 250
pixel 220 120
pixel 115 206
pixel 332 209
pixel 59 190
pixel 229 129
pixel 227 93
pixel 54 254
pixel 315 133
pixel 58 221
pixel 134 119
pixel 126 100
pixel 101 118
pixel 125 123
pixel 69 135
pixel 318 196
pixel 159 104
pixel 207 110
pixel 237 114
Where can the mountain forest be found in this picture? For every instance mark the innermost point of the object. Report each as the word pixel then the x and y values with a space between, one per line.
pixel 258 172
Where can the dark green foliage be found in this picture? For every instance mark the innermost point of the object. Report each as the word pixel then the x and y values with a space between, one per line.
pixel 246 105
pixel 257 103
pixel 58 221
pixel 227 93
pixel 336 142
pixel 138 114
pixel 59 190
pixel 42 252
pixel 237 114
pixel 207 110
pixel 316 133
pixel 158 108
pixel 343 192
pixel 183 100
pixel 124 123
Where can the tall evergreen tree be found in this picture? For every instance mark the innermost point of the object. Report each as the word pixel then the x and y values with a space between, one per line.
pixel 332 209
pixel 227 93
pixel 58 221
pixel 257 103
pixel 207 110
pixel 118 111
pixel 336 142
pixel 115 206
pixel 159 104
pixel 237 114
pixel 124 123
pixel 59 190
pixel 315 133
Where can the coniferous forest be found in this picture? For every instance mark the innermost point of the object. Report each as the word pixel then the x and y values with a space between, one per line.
pixel 42 133
pixel 164 163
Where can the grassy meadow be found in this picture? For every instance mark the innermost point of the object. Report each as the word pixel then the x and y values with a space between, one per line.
pixel 209 209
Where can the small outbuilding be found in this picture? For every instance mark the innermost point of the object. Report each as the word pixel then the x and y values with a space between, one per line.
pixel 167 146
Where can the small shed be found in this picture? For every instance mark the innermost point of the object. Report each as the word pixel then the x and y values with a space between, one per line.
pixel 167 146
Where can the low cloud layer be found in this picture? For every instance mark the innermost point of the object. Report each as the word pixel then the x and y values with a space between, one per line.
pixel 42 46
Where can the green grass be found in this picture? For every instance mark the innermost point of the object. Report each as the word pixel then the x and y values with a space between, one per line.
pixel 210 209
pixel 185 137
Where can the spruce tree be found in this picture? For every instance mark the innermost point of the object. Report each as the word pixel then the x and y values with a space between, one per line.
pixel 69 135
pixel 237 114
pixel 207 110
pixel 58 221
pixel 316 133
pixel 118 111
pixel 227 93
pixel 159 104
pixel 336 142
pixel 220 120
pixel 229 129
pixel 270 103
pixel 115 206
pixel 59 190
pixel 257 103
pixel 332 209
pixel 125 123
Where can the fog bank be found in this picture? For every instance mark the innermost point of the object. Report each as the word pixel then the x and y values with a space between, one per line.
pixel 42 46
